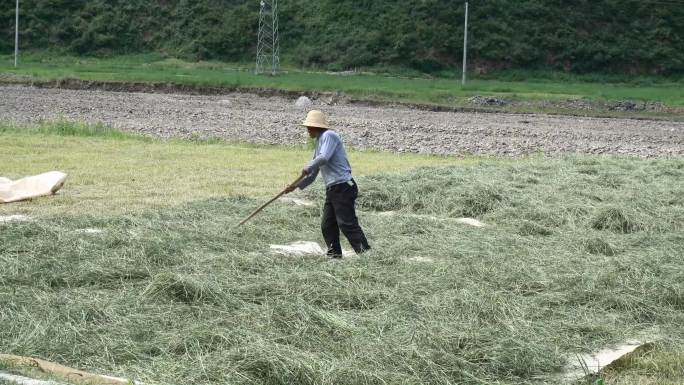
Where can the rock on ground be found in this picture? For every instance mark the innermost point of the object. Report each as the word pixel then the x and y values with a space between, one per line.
pixel 303 102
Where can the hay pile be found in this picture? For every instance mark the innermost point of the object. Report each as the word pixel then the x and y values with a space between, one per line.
pixel 570 264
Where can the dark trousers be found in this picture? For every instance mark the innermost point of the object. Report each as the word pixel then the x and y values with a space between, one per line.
pixel 339 215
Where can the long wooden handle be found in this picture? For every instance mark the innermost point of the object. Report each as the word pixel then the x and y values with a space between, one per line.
pixel 301 177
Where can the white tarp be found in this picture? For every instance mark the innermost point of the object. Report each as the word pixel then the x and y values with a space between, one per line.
pixel 298 202
pixel 586 364
pixel 298 249
pixel 470 221
pixel 31 186
pixel 21 380
pixel 60 372
pixel 304 248
pixel 13 218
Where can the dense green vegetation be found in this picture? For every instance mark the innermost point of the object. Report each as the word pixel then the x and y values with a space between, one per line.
pixel 623 36
pixel 579 253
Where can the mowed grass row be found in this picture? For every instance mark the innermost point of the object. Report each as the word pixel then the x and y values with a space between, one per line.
pixel 580 253
pixel 447 91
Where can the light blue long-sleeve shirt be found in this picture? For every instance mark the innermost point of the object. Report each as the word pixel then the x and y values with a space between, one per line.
pixel 331 159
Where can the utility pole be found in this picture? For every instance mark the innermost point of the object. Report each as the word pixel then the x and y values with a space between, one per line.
pixel 465 44
pixel 16 34
pixel 268 44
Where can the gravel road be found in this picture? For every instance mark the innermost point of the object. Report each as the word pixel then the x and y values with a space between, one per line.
pixel 275 120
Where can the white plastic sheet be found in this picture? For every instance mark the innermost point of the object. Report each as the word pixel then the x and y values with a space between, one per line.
pixel 31 186
pixel 304 248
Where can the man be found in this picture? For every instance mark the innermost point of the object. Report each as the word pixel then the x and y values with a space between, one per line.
pixel 341 190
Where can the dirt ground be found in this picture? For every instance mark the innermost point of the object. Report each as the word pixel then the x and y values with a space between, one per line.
pixel 275 120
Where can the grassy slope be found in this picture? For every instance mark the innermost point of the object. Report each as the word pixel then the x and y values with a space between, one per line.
pixel 151 68
pixel 583 252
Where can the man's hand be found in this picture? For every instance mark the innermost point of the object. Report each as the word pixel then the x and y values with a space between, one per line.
pixel 292 187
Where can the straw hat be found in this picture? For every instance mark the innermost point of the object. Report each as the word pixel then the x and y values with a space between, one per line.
pixel 316 118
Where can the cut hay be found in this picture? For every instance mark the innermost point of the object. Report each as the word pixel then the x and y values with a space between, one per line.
pixel 494 307
pixel 615 219
pixel 479 201
pixel 464 221
pixel 528 228
pixel 180 288
pixel 598 246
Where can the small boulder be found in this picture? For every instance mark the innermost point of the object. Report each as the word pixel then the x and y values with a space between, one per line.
pixel 303 102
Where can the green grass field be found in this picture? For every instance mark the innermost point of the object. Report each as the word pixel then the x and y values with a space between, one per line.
pixel 536 87
pixel 579 253
pixel 141 172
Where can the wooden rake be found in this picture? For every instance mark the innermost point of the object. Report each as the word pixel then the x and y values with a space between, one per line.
pixel 257 211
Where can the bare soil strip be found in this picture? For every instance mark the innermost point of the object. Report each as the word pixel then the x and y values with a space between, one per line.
pixel 275 120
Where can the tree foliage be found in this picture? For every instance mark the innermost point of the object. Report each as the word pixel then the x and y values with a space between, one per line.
pixel 621 36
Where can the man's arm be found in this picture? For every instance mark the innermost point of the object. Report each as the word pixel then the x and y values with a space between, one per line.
pixel 328 145
pixel 308 180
